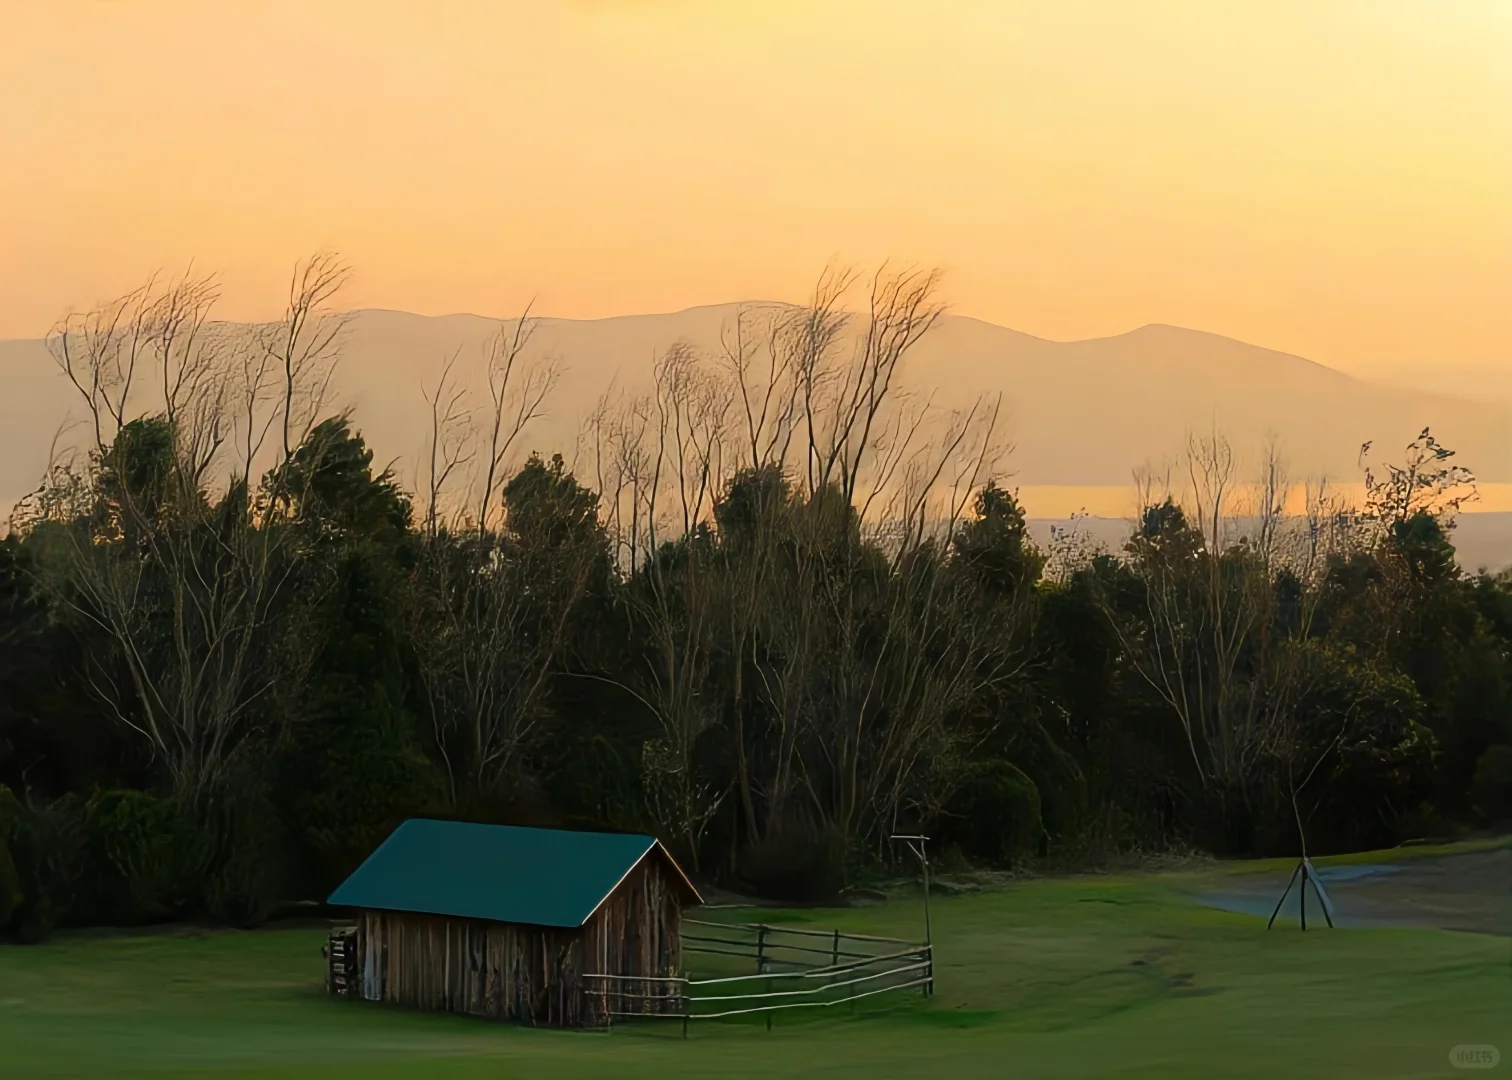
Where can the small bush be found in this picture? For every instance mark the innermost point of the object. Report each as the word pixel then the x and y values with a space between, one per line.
pixel 35 921
pixel 995 815
pixel 11 812
pixel 1059 783
pixel 10 879
pixel 10 885
pixel 1491 789
pixel 237 845
pixel 47 845
pixel 802 863
pixel 142 839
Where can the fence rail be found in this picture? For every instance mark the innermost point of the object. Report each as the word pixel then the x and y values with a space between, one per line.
pixel 787 975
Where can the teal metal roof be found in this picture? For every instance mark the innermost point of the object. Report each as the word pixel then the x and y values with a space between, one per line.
pixel 544 877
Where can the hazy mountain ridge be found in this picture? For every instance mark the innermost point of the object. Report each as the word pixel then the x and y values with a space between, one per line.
pixel 1078 413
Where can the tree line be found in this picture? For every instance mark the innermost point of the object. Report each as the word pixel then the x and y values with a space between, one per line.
pixel 778 608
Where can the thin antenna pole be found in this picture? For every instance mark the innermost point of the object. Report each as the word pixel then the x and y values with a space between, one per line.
pixel 1284 892
pixel 916 845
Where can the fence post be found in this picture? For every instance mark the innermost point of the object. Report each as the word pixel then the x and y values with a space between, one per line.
pixel 761 965
pixel 850 991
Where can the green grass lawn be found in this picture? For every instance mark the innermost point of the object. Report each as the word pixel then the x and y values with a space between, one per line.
pixel 1096 976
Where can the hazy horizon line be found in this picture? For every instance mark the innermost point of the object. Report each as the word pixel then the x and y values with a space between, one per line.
pixel 755 304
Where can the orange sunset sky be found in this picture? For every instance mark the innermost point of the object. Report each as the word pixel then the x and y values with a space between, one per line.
pixel 1330 178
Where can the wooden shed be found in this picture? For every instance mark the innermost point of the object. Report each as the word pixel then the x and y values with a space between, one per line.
pixel 504 922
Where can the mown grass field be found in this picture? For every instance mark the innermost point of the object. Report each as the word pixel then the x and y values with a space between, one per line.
pixel 1092 976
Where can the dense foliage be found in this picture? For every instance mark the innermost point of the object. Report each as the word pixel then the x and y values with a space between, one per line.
pixel 214 697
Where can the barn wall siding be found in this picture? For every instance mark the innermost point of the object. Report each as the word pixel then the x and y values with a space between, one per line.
pixel 525 974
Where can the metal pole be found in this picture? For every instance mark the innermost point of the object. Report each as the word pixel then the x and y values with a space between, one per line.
pixel 924 861
pixel 1283 897
pixel 1323 900
pixel 928 931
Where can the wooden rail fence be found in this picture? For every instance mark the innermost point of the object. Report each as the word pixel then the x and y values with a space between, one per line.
pixel 795 969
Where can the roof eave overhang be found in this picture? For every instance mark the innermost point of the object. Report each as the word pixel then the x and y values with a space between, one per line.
pixel 655 845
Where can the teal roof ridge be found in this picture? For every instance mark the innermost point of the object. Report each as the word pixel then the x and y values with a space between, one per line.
pixel 501 873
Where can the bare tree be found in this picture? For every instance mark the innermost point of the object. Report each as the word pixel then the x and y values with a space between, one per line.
pixel 253 381
pixel 492 618
pixel 1208 637
pixel 99 352
pixel 517 392
pixel 304 346
pixel 1427 482
pixel 844 403
pixel 1192 625
pixel 661 460
pixel 627 468
pixel 906 655
pixel 677 604
pixel 774 475
pixel 692 409
pixel 448 444
pixel 493 594
pixel 761 367
pixel 856 670
pixel 184 587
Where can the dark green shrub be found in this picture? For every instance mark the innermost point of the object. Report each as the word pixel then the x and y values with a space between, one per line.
pixel 11 812
pixel 796 862
pixel 165 858
pixel 995 814
pixel 10 880
pixel 370 780
pixel 142 838
pixel 10 885
pixel 48 847
pixel 35 921
pixel 1059 781
pixel 236 845
pixel 1491 790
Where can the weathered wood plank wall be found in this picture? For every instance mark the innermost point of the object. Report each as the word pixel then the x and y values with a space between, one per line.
pixel 526 974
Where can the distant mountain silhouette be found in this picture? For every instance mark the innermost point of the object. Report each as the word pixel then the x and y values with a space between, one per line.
pixel 1077 412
